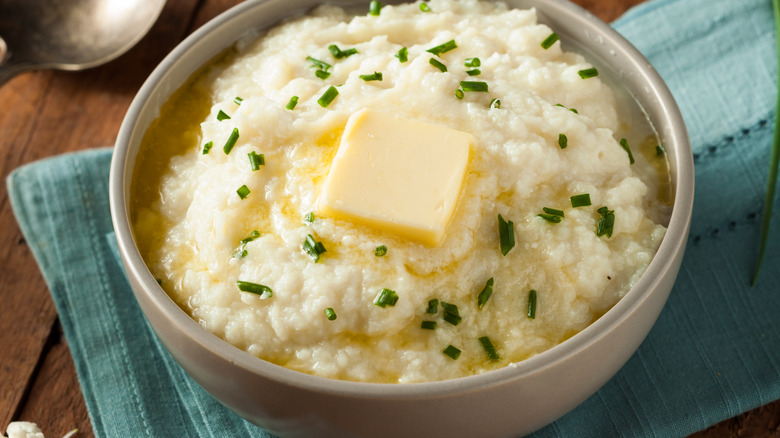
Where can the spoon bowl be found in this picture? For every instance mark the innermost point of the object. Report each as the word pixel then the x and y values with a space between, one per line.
pixel 70 35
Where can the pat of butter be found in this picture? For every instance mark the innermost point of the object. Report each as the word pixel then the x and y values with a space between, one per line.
pixel 402 176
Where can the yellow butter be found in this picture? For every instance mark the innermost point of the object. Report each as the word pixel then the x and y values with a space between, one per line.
pixel 397 175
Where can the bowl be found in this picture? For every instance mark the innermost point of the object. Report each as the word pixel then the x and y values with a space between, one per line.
pixel 514 400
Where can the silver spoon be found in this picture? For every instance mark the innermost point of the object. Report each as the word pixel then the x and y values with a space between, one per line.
pixel 69 34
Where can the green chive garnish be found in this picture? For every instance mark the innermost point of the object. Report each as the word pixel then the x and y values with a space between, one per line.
pixel 424 7
pixel 551 215
pixel 328 96
pixel 660 151
pixel 433 306
pixel 322 74
pixel 256 160
pixel 459 94
pixel 241 251
pixel 451 313
pixel 291 104
pixel 495 103
pixel 380 250
pixel 570 109
pixel 340 54
pixel 231 141
pixel 309 217
pixel 428 325
pixel 474 86
pixel 207 147
pixel 553 211
pixel 377 76
pixel 159 281
pixel 484 296
pixel 238 100
pixel 374 8
pixel 259 289
pixel 221 115
pixel 443 48
pixel 549 41
pixel 452 352
pixel 606 222
pixel 588 73
pixel 563 141
pixel 386 297
pixel 506 235
pixel 489 348
pixel 472 62
pixel 243 191
pixel 531 304
pixel 435 62
pixel 320 65
pixel 330 314
pixel 473 72
pixel 624 145
pixel 313 248
pixel 403 54
pixel 580 200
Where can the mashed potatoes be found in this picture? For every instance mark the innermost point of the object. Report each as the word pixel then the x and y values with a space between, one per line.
pixel 207 220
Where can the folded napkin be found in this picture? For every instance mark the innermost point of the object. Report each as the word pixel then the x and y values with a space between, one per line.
pixel 712 354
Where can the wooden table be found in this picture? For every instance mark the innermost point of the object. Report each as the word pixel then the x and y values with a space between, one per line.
pixel 46 113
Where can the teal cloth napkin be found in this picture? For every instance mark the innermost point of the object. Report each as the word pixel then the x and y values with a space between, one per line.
pixel 712 354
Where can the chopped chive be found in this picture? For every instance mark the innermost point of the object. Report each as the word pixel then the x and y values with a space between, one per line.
pixel 570 109
pixel 451 313
pixel 386 297
pixel 380 250
pixel 322 74
pixel 452 352
pixel 553 211
pixel 474 86
pixel 340 54
pixel 435 62
pixel 552 218
pixel 328 96
pixel 506 235
pixel 660 151
pixel 532 304
pixel 495 103
pixel 252 236
pixel 624 145
pixel 231 141
pixel 241 251
pixel 259 289
pixel 207 147
pixel 374 8
pixel 428 325
pixel 549 41
pixel 484 296
pixel 433 306
pixel 238 100
pixel 580 200
pixel 377 76
pixel 256 160
pixel 291 104
pixel 309 217
pixel 459 94
pixel 563 141
pixel 330 314
pixel 443 48
pixel 489 348
pixel 424 7
pixel 320 65
pixel 403 54
pixel 473 72
pixel 221 115
pixel 606 222
pixel 472 62
pixel 243 191
pixel 159 281
pixel 588 73
pixel 313 248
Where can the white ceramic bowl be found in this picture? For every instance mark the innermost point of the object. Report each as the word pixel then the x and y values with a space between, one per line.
pixel 511 401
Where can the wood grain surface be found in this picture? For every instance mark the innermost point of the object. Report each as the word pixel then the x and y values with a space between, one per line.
pixel 46 113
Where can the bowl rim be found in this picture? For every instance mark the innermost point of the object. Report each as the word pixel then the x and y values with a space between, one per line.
pixel 663 261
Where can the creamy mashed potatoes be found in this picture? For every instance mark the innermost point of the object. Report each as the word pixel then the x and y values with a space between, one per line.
pixel 200 236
